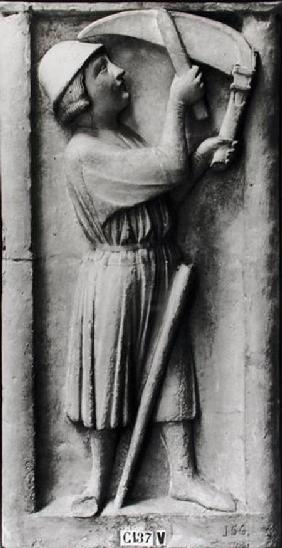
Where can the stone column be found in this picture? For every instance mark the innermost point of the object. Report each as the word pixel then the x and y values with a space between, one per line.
pixel 261 271
pixel 17 381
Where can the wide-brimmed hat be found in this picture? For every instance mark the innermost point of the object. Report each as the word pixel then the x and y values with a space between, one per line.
pixel 61 63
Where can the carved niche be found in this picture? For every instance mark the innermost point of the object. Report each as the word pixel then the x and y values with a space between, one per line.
pixel 120 186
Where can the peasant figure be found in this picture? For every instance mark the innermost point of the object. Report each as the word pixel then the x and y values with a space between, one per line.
pixel 122 191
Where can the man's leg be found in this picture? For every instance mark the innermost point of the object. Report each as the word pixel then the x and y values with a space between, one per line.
pixel 103 445
pixel 185 482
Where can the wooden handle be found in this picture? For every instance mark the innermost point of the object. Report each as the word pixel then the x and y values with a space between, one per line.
pixel 229 127
pixel 158 357
pixel 178 55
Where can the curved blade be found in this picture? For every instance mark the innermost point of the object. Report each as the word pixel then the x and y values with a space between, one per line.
pixel 140 24
pixel 207 41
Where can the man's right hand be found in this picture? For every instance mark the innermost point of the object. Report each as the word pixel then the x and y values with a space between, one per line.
pixel 188 88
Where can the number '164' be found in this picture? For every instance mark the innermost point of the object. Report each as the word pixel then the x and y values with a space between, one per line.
pixel 234 529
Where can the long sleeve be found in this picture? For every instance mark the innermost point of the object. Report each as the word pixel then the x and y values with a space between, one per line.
pixel 122 177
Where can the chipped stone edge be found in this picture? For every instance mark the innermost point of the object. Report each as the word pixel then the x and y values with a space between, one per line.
pixel 73 8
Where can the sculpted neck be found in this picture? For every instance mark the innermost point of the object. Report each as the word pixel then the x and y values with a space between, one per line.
pixel 99 119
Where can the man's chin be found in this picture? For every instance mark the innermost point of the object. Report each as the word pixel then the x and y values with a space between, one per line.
pixel 125 100
pixel 123 103
pixel 126 97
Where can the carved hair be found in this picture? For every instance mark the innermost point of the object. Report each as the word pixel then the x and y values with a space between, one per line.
pixel 73 102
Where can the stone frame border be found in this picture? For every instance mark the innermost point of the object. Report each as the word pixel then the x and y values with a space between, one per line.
pixel 260 27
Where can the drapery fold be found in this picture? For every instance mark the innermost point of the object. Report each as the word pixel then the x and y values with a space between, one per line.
pixel 121 289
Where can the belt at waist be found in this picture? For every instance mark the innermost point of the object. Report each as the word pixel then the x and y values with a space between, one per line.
pixel 132 247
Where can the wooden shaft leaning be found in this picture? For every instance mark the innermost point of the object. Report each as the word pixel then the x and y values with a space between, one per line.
pixel 158 357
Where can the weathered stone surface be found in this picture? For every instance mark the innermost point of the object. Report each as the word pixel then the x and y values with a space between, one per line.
pixel 18 439
pixel 205 531
pixel 228 227
pixel 261 252
pixel 70 8
pixel 15 136
pixel 17 305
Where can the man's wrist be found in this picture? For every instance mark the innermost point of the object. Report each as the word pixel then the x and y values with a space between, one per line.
pixel 201 161
pixel 176 103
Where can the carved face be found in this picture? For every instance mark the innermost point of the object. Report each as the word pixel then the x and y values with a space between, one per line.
pixel 105 84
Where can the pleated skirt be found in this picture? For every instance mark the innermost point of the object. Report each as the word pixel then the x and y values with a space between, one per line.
pixel 117 299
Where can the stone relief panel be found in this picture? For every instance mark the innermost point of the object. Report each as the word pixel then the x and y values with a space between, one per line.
pixel 148 134
pixel 155 46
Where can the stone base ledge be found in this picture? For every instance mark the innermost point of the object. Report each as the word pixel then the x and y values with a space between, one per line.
pixel 186 525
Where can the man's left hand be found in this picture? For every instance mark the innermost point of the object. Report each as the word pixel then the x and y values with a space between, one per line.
pixel 225 149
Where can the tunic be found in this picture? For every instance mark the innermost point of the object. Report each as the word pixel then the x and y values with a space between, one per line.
pixel 123 210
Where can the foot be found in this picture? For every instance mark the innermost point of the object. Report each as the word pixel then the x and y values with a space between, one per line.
pixel 84 506
pixel 88 503
pixel 195 489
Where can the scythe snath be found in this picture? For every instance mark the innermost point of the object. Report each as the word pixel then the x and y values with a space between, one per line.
pixel 202 39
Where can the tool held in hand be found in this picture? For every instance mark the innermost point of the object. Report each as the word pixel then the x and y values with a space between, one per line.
pixel 159 353
pixel 178 54
pixel 240 88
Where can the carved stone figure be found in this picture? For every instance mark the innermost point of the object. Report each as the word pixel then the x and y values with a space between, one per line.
pixel 227 226
pixel 125 194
